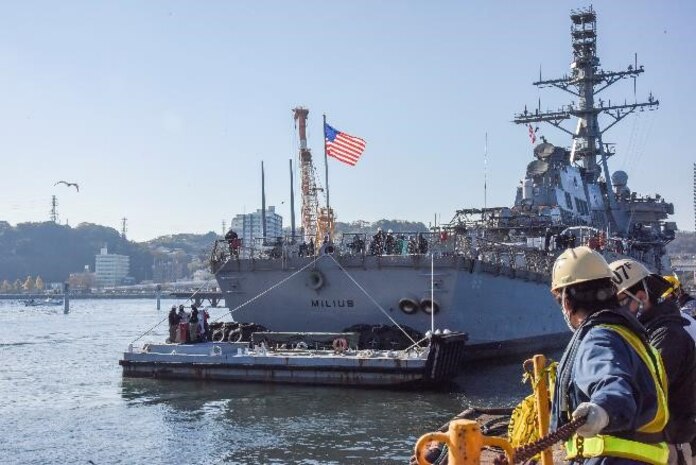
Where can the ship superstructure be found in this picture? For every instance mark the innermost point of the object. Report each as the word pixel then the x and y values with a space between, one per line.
pixel 491 266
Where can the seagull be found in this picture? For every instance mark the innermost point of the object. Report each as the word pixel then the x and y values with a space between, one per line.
pixel 69 184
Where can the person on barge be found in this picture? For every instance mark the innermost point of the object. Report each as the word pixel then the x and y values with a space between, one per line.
pixel 609 373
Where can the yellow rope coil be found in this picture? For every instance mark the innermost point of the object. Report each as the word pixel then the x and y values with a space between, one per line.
pixel 522 429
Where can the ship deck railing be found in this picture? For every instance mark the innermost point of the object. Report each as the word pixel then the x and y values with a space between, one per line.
pixel 517 252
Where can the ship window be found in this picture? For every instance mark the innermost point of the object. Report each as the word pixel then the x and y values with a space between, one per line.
pixel 569 201
pixel 581 206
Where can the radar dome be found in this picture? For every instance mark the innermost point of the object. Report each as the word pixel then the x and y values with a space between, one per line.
pixel 544 150
pixel 619 178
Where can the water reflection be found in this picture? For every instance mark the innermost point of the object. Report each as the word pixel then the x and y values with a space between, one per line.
pixel 304 424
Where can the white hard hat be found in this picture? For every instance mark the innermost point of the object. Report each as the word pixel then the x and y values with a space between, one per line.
pixel 628 273
pixel 578 265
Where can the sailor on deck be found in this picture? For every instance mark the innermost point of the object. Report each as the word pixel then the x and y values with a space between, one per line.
pixel 608 373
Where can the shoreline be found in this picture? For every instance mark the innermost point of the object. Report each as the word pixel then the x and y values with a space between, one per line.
pixel 153 296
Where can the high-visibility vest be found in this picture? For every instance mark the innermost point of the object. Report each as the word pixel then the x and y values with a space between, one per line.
pixel 604 445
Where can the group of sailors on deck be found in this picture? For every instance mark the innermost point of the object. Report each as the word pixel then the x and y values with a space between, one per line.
pixel 390 244
pixel 188 327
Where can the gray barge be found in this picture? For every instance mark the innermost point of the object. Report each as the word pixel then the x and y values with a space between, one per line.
pixel 344 366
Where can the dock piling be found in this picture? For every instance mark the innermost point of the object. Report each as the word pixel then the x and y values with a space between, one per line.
pixel 66 298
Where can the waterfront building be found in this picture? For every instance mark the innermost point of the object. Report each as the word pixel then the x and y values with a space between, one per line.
pixel 111 269
pixel 81 282
pixel 249 227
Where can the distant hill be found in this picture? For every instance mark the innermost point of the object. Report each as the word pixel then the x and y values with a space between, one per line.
pixel 193 244
pixel 366 227
pixel 53 251
pixel 371 228
pixel 684 243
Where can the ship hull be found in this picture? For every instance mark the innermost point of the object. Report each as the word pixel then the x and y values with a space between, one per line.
pixel 504 311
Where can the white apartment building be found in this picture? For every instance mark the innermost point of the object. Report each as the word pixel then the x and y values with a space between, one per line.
pixel 110 269
pixel 250 230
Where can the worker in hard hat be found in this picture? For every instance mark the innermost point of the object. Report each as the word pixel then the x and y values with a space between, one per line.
pixel 608 373
pixel 686 302
pixel 645 295
pixel 677 294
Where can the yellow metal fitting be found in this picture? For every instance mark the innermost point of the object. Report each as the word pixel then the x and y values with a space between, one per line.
pixel 464 440
pixel 541 395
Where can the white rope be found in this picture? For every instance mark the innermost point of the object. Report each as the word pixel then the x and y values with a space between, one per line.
pixel 313 262
pixel 373 300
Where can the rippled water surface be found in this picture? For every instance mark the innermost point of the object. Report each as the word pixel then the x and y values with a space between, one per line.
pixel 64 401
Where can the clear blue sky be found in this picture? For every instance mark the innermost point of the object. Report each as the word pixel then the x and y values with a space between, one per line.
pixel 163 110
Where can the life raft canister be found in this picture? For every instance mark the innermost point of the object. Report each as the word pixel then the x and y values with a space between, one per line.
pixel 429 306
pixel 315 280
pixel 340 344
pixel 409 305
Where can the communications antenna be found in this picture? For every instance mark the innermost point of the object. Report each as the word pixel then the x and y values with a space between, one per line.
pixel 54 209
pixel 124 228
pixel 587 80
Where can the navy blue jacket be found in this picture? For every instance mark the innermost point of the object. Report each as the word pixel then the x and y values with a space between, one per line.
pixel 600 366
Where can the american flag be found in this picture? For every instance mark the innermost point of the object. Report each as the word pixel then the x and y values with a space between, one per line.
pixel 343 147
pixel 532 133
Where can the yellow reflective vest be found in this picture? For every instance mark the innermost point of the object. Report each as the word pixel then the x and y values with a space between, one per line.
pixel 604 445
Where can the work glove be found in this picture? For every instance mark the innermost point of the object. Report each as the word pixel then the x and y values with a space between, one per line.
pixel 597 419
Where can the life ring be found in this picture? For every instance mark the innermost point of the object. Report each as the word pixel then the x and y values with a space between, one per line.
pixel 316 280
pixel 408 305
pixel 235 335
pixel 426 305
pixel 218 335
pixel 340 345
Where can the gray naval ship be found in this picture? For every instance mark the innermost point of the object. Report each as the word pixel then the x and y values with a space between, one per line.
pixel 490 267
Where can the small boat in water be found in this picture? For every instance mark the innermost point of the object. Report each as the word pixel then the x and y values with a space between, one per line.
pixel 300 362
pixel 42 302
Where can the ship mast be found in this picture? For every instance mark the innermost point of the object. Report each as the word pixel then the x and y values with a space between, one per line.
pixel 585 82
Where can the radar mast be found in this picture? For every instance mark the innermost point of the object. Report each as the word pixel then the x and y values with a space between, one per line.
pixel 585 82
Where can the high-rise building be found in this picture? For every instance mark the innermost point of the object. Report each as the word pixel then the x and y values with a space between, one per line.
pixel 111 269
pixel 249 227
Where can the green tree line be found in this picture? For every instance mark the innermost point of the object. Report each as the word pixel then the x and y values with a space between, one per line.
pixel 54 251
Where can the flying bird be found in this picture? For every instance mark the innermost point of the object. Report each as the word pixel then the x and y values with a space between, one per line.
pixel 69 184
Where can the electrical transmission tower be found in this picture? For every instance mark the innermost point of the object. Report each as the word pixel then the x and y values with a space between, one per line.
pixel 54 209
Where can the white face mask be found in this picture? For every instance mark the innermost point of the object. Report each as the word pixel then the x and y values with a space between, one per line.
pixel 641 304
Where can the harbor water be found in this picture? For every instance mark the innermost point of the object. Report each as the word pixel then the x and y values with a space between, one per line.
pixel 65 401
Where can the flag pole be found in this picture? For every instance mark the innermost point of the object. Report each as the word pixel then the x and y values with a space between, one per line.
pixel 326 166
